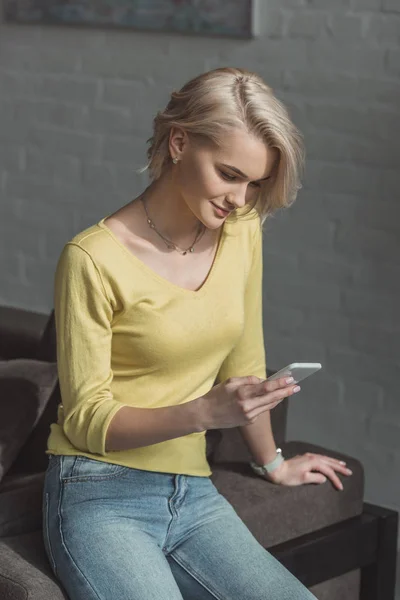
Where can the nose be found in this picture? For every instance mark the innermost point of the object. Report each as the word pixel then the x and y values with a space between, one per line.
pixel 238 199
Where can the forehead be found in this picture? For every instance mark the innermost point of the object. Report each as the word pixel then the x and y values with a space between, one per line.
pixel 244 151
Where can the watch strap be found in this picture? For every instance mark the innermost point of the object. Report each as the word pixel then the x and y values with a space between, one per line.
pixel 271 466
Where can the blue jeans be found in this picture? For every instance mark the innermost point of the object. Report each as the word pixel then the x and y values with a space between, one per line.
pixel 118 533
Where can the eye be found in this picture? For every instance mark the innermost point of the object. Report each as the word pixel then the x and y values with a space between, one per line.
pixel 227 177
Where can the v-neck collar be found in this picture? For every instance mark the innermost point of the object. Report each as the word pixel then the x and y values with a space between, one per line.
pixel 204 286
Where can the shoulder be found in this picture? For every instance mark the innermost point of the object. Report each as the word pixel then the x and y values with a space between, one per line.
pixel 89 245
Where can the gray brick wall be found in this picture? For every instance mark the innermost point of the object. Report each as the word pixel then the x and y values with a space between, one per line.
pixel 76 108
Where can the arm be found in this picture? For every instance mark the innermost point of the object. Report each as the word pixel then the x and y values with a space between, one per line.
pixel 83 316
pixel 258 436
pixel 92 419
pixel 248 356
pixel 136 427
pixel 259 439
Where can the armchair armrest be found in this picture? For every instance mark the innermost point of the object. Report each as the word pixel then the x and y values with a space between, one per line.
pixel 20 332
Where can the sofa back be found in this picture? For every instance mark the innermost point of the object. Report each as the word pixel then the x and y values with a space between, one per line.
pixel 26 334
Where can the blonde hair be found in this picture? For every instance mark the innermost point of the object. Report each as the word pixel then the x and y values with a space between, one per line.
pixel 221 99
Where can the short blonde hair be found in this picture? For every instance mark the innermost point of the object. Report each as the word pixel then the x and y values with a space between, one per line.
pixel 221 99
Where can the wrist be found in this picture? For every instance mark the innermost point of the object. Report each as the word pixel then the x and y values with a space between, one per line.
pixel 264 459
pixel 198 415
pixel 277 475
pixel 270 467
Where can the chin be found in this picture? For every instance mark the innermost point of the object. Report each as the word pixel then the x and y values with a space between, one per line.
pixel 207 215
pixel 213 224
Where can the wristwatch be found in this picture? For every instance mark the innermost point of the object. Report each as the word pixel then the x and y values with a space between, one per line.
pixel 271 466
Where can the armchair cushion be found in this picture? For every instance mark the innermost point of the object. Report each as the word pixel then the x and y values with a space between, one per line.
pixel 21 504
pixel 275 513
pixel 25 571
pixel 25 388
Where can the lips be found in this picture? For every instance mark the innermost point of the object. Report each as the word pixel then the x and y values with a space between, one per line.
pixel 223 209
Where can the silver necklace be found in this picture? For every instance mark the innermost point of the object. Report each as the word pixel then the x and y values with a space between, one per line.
pixel 169 243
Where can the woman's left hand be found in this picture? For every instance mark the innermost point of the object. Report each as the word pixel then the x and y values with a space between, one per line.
pixel 309 468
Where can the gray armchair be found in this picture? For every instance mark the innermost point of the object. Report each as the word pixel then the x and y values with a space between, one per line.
pixel 336 544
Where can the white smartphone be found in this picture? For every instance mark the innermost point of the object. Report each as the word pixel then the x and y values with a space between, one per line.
pixel 298 371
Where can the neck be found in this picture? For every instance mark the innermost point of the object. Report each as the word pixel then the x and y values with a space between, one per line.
pixel 170 213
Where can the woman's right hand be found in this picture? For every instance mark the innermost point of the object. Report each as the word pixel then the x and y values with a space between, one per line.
pixel 240 400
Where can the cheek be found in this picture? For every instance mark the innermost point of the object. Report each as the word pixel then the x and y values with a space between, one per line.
pixel 201 182
pixel 191 177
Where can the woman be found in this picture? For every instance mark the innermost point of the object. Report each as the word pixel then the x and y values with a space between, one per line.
pixel 154 305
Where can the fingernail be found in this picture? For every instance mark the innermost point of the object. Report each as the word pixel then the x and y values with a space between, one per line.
pixel 342 462
pixel 289 380
pixel 349 471
pixel 296 389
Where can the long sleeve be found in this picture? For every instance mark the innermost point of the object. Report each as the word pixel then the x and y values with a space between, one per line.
pixel 83 324
pixel 248 355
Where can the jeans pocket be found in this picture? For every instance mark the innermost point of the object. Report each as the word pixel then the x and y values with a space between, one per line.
pixel 88 469
pixel 46 532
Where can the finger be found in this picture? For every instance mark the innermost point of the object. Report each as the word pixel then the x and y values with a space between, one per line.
pixel 336 464
pixel 263 408
pixel 271 386
pixel 330 474
pixel 329 458
pixel 245 381
pixel 269 398
pixel 312 477
pixel 263 403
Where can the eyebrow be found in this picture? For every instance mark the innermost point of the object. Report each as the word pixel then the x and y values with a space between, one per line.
pixel 239 172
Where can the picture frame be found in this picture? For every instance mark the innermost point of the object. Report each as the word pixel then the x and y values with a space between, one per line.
pixel 222 18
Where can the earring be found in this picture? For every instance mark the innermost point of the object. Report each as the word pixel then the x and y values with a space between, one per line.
pixel 175 160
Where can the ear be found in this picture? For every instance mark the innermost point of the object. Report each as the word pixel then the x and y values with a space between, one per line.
pixel 178 140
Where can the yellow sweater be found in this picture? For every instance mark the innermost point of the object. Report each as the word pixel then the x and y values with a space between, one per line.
pixel 128 337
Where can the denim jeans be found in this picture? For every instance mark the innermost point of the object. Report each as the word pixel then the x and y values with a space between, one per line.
pixel 118 533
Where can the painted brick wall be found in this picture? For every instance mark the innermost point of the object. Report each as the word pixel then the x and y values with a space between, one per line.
pixel 76 108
